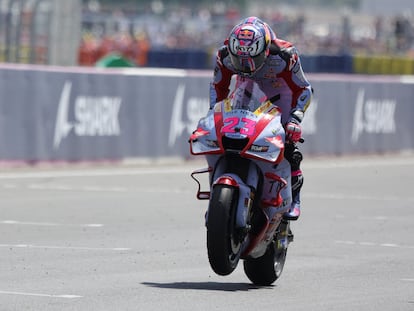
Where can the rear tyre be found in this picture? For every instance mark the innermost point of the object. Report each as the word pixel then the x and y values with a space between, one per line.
pixel 265 270
pixel 223 240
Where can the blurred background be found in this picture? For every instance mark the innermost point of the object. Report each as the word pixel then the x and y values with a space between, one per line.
pixel 343 36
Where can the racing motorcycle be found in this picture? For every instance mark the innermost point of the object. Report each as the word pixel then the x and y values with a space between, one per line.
pixel 249 186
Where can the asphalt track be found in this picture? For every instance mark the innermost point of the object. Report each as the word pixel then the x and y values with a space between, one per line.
pixel 132 238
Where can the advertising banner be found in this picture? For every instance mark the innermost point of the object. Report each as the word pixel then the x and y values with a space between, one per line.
pixel 57 114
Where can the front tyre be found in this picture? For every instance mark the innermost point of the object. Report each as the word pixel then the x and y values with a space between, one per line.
pixel 223 240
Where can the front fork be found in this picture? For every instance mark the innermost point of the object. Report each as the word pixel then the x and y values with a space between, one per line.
pixel 246 188
pixel 245 194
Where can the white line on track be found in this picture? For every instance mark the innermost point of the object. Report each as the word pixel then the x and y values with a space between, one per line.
pixel 93 173
pixel 338 196
pixel 388 245
pixel 48 224
pixel 369 218
pixel 319 196
pixel 3 292
pixel 66 188
pixel 365 162
pixel 60 187
pixel 187 167
pixel 81 248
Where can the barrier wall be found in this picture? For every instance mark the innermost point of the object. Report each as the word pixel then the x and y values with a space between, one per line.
pixel 201 59
pixel 359 64
pixel 383 65
pixel 78 114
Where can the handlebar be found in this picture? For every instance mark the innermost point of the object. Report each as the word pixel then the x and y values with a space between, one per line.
pixel 301 140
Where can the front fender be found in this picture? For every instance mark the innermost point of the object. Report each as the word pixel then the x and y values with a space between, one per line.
pixel 226 180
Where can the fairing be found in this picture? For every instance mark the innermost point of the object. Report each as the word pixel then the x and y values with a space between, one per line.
pixel 256 134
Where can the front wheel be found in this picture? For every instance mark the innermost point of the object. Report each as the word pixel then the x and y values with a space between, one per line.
pixel 223 240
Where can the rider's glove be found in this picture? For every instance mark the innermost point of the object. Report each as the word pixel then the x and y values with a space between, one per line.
pixel 293 130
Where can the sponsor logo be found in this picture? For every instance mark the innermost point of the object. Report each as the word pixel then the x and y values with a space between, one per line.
pixel 373 116
pixel 93 116
pixel 185 115
pixel 246 34
pixel 245 49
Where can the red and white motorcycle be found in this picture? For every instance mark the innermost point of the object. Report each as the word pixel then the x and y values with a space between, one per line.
pixel 243 139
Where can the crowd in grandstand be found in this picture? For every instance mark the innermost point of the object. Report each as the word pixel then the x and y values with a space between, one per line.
pixel 133 35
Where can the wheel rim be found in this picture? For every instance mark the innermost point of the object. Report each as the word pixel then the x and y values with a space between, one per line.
pixel 235 247
pixel 280 257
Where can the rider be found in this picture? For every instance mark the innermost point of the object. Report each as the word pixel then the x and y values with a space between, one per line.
pixel 253 52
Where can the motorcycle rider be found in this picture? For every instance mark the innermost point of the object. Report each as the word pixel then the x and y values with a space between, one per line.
pixel 252 52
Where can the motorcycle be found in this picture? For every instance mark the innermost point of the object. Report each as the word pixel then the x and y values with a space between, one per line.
pixel 242 139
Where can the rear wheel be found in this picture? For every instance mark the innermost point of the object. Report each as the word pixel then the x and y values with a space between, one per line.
pixel 223 238
pixel 265 270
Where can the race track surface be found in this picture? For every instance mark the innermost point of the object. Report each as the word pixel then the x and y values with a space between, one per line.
pixel 133 238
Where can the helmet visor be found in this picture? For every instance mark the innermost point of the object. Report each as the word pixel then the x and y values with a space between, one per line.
pixel 247 64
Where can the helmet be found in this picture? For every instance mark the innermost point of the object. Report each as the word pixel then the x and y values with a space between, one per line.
pixel 248 45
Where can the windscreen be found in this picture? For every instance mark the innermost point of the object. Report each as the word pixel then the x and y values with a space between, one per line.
pixel 247 96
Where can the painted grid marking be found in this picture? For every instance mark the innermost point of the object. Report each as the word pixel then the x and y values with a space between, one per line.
pixel 65 247
pixel 4 292
pixel 47 224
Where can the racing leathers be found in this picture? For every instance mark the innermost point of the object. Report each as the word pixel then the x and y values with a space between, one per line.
pixel 282 80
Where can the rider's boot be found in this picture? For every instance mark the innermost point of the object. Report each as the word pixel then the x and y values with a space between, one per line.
pixel 297 181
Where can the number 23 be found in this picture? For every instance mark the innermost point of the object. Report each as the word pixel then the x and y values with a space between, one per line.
pixel 230 125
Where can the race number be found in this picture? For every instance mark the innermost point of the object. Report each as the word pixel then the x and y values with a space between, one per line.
pixel 244 126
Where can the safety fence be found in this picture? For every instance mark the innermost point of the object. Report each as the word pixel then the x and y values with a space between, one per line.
pixel 94 114
pixel 40 31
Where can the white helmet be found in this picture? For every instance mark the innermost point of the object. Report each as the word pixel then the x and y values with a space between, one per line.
pixel 248 45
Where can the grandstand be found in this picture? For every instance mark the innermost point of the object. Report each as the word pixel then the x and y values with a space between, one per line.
pixel 43 32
